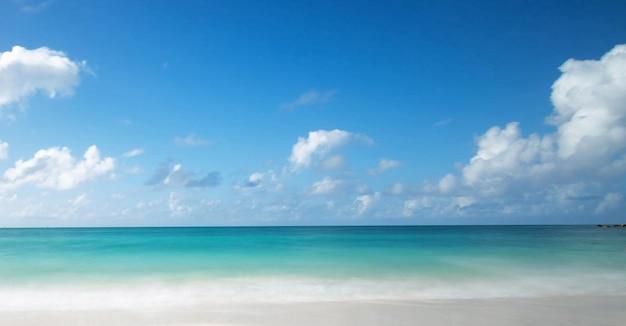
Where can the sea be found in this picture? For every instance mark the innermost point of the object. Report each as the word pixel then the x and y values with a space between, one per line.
pixel 87 268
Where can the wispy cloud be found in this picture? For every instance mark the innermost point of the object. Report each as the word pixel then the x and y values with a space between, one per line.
pixel 309 98
pixel 176 176
pixel 80 200
pixel 443 122
pixel 133 152
pixel 191 140
pixel 338 187
pixel 327 186
pixel 33 7
pixel 384 165
pixel 267 181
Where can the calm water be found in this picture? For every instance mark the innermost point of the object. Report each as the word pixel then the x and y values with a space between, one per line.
pixel 121 266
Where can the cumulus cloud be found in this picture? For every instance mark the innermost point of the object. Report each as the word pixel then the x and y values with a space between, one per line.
pixel 504 157
pixel 4 150
pixel 588 148
pixel 191 140
pixel 56 168
pixel 590 106
pixel 24 73
pixel 319 143
pixel 310 97
pixel 384 165
pixel 176 176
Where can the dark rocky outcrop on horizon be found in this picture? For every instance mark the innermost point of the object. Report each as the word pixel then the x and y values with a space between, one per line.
pixel 611 225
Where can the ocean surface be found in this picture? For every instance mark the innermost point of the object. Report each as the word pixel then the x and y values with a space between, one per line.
pixel 120 267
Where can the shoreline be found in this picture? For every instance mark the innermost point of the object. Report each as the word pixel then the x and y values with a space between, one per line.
pixel 564 310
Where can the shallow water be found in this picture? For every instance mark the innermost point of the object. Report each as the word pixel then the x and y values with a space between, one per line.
pixel 111 266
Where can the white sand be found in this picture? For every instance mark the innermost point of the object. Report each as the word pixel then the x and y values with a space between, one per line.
pixel 578 310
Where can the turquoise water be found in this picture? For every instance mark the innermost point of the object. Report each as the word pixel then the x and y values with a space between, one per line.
pixel 201 265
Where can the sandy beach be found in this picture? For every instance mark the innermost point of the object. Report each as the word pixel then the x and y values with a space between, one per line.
pixel 571 310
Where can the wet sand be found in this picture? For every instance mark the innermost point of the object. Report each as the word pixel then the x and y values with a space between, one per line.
pixel 571 310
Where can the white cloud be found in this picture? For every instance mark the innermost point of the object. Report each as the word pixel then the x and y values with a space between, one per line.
pixel 590 105
pixel 55 168
pixel 191 140
pixel 319 143
pixel 366 202
pixel 133 152
pixel 589 144
pixel 256 178
pixel 4 150
pixel 504 156
pixel 33 7
pixel 310 97
pixel 410 206
pixel 327 186
pixel 25 72
pixel 384 165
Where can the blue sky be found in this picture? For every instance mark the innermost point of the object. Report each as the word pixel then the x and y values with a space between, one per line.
pixel 311 112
